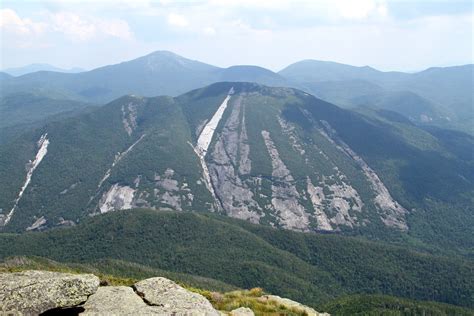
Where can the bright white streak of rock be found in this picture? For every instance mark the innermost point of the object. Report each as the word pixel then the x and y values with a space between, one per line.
pixel 205 138
pixel 42 143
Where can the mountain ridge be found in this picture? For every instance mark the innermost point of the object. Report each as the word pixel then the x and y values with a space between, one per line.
pixel 166 73
pixel 20 71
pixel 277 156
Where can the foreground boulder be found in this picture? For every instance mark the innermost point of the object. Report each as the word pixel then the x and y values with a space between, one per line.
pixel 34 292
pixel 169 298
pixel 292 305
pixel 116 300
pixel 53 293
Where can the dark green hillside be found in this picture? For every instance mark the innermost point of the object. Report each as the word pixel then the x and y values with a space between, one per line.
pixel 139 152
pixel 388 305
pixel 8 134
pixel 29 108
pixel 307 267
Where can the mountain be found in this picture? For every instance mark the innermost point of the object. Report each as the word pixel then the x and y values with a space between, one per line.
pixel 316 71
pixel 449 89
pixel 26 108
pixel 417 109
pixel 215 251
pixel 20 71
pixel 4 76
pixel 274 156
pixel 20 112
pixel 159 73
pixel 253 74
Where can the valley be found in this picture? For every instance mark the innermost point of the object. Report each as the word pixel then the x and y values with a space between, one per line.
pixel 274 156
pixel 345 188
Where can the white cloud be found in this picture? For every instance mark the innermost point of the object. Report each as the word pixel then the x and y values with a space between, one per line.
pixel 360 9
pixel 253 4
pixel 73 26
pixel 11 22
pixel 210 31
pixel 177 20
pixel 329 9
pixel 85 28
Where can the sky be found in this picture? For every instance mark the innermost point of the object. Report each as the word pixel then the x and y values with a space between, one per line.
pixel 404 35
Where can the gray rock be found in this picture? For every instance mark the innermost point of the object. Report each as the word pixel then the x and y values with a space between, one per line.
pixel 242 311
pixel 289 304
pixel 169 298
pixel 34 292
pixel 116 300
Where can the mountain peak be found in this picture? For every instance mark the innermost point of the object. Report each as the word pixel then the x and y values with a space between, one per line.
pixel 164 53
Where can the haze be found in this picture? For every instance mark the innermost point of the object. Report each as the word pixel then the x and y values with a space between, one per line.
pixel 388 35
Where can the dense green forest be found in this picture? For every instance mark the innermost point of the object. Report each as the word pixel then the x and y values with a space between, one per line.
pixel 311 268
pixel 390 306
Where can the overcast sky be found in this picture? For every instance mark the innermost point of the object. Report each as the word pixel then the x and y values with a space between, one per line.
pixel 389 35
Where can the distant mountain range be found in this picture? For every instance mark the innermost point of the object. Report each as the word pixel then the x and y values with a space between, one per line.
pixel 319 181
pixel 441 96
pixel 437 96
pixel 20 71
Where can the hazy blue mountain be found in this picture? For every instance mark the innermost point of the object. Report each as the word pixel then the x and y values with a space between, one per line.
pixel 252 74
pixel 448 90
pixel 159 73
pixel 414 107
pixel 278 157
pixel 20 71
pixel 315 70
pixel 4 75
pixel 344 92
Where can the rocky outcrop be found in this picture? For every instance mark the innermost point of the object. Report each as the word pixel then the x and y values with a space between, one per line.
pixel 31 166
pixel 392 213
pixel 37 292
pixel 116 300
pixel 234 193
pixel 292 305
pixel 34 292
pixel 285 196
pixel 168 298
pixel 117 198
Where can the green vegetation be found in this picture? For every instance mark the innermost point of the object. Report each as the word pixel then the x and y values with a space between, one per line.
pixel 429 171
pixel 112 272
pixel 389 305
pixel 253 299
pixel 309 268
pixel 225 297
pixel 28 108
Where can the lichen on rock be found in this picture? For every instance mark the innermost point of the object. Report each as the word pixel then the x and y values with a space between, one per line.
pixel 34 292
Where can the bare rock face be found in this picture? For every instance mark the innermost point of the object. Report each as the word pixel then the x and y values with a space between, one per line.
pixel 34 292
pixel 37 292
pixel 168 298
pixel 292 305
pixel 116 300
